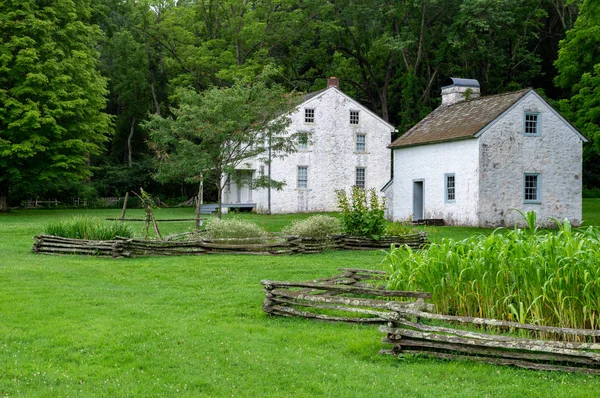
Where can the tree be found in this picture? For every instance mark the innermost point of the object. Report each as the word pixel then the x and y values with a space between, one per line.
pixel 51 95
pixel 578 68
pixel 214 132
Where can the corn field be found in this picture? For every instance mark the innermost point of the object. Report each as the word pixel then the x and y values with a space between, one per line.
pixel 527 275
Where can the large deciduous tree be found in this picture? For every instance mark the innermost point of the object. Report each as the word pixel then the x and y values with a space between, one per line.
pixel 214 132
pixel 578 68
pixel 51 94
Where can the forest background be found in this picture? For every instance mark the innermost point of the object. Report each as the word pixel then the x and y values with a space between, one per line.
pixel 79 78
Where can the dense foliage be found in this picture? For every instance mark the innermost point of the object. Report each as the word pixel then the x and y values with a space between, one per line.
pixel 363 213
pixel 79 227
pixel 523 275
pixel 51 95
pixel 393 57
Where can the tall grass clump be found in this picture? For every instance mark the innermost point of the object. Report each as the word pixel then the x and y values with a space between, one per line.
pixel 233 228
pixel 522 275
pixel 80 227
pixel 315 227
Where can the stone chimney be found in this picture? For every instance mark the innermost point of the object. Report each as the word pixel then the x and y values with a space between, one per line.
pixel 333 82
pixel 456 90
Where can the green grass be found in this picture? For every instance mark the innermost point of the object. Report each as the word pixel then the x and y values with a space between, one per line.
pixel 193 326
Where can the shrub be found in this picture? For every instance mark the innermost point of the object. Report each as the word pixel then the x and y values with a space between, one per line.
pixel 523 275
pixel 79 227
pixel 233 228
pixel 363 214
pixel 315 227
pixel 398 228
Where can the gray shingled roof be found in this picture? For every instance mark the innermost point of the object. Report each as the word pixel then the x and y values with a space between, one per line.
pixel 458 121
pixel 308 96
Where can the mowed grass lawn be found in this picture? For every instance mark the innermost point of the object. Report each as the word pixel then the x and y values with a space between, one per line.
pixel 193 326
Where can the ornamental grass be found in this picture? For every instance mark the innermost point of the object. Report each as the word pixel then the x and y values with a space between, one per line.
pixel 523 275
pixel 80 227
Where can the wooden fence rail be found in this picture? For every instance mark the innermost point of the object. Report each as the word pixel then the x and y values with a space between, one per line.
pixel 340 298
pixel 128 247
pixel 356 296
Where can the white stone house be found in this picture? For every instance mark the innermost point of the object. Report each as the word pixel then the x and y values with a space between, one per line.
pixel 345 145
pixel 474 159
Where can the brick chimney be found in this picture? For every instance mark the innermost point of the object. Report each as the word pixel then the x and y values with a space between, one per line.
pixel 333 82
pixel 457 89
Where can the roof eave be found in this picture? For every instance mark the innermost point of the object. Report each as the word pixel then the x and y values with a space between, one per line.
pixel 433 142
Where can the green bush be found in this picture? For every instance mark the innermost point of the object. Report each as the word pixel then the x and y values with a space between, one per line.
pixel 233 228
pixel 362 214
pixel 80 227
pixel 315 227
pixel 398 228
pixel 523 275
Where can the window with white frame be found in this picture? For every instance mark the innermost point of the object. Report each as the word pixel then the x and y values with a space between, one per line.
pixel 228 184
pixel 450 187
pixel 354 118
pixel 361 142
pixel 531 190
pixel 261 171
pixel 302 177
pixel 532 126
pixel 309 115
pixel 360 177
pixel 302 142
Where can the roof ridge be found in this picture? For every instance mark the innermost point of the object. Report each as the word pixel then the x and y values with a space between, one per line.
pixel 489 96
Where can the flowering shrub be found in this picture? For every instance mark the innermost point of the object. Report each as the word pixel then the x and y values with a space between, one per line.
pixel 363 214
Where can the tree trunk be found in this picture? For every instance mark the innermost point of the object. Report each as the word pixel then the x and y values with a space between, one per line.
pixel 129 151
pixel 199 203
pixel 4 195
pixel 219 198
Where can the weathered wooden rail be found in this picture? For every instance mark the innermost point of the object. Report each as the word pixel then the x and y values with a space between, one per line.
pixel 557 351
pixel 357 296
pixel 127 247
pixel 354 296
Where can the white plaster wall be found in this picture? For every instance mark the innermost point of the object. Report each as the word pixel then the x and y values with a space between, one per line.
pixel 430 163
pixel 330 157
pixel 506 154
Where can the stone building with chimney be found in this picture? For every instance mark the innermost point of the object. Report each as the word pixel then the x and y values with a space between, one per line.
pixel 341 143
pixel 473 160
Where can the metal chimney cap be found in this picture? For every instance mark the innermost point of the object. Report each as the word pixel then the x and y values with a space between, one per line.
pixel 460 82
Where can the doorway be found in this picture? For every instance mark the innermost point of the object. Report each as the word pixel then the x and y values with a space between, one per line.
pixel 418 199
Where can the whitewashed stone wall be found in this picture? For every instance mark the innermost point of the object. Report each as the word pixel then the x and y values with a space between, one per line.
pixel 430 163
pixel 330 157
pixel 506 154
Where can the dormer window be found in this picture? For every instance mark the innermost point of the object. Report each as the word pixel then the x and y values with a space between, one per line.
pixel 532 124
pixel 309 115
pixel 354 118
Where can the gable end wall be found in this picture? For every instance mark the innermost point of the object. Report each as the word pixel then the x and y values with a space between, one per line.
pixel 506 154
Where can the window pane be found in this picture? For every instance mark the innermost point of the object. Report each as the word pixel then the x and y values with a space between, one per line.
pixel 360 177
pixel 354 117
pixel 302 142
pixel 450 188
pixel 309 116
pixel 361 143
pixel 531 123
pixel 531 187
pixel 302 176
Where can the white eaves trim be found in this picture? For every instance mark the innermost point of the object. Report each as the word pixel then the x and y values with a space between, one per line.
pixel 554 111
pixel 359 105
